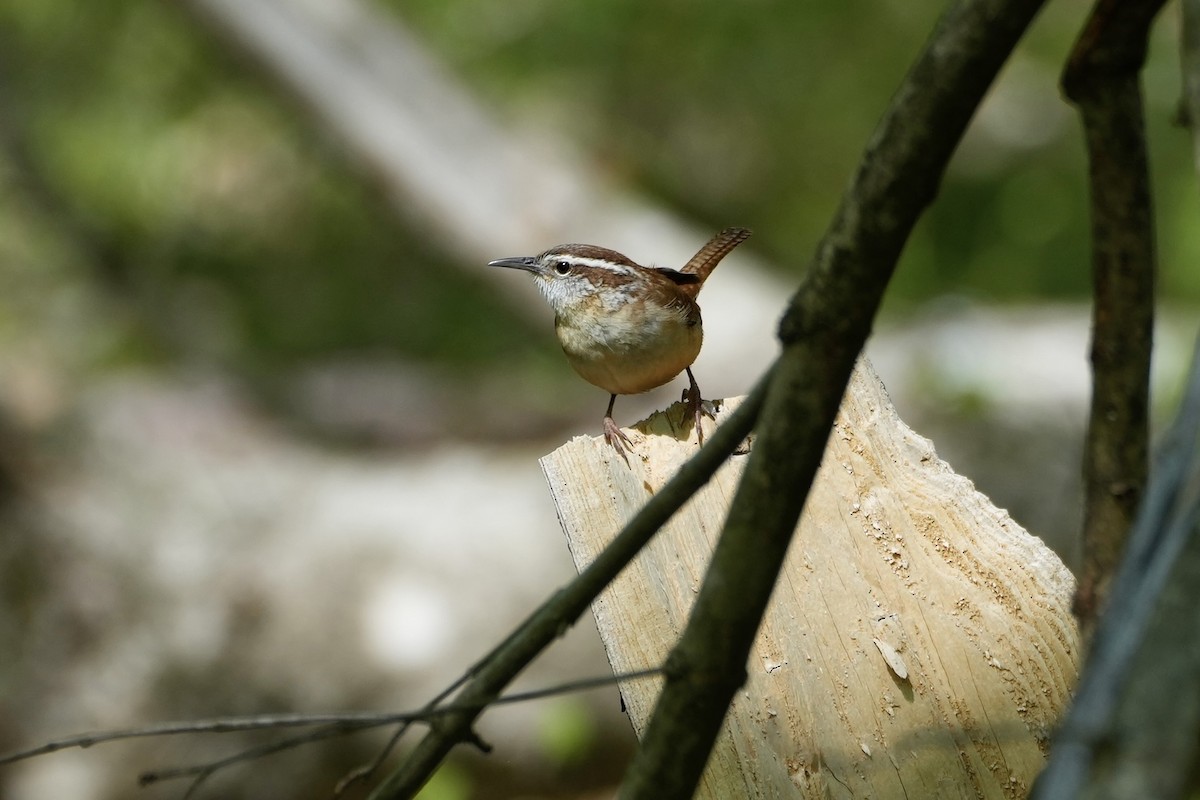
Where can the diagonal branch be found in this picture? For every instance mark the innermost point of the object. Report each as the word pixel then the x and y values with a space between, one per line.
pixel 1135 721
pixel 505 662
pixel 1102 79
pixel 823 331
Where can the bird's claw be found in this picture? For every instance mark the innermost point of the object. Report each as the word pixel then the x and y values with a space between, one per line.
pixel 614 436
pixel 696 406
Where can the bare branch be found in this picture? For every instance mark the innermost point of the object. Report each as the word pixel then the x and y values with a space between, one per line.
pixel 823 331
pixel 328 726
pixel 364 772
pixel 1102 79
pixel 200 773
pixel 561 611
pixel 1135 721
pixel 350 721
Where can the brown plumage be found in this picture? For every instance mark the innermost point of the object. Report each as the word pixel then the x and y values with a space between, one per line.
pixel 707 258
pixel 625 327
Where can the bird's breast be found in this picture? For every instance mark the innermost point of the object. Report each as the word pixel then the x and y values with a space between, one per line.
pixel 632 348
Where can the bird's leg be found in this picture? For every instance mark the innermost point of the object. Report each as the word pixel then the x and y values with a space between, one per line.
pixel 695 404
pixel 613 434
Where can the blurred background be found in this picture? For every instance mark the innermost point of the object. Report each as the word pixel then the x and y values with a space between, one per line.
pixel 268 427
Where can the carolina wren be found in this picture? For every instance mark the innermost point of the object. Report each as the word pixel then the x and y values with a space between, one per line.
pixel 624 327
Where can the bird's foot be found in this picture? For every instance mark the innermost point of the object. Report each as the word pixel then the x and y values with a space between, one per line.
pixel 696 406
pixel 614 436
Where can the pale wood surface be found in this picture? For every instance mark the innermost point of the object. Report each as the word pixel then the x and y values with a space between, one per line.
pixel 919 643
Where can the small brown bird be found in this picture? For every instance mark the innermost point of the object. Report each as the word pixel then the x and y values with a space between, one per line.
pixel 624 327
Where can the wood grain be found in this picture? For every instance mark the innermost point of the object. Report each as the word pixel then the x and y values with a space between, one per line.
pixel 919 643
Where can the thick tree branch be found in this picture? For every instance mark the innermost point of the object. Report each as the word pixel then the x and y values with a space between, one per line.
pixel 556 615
pixel 1102 79
pixel 1134 728
pixel 823 331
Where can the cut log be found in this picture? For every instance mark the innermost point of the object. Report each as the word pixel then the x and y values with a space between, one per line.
pixel 919 642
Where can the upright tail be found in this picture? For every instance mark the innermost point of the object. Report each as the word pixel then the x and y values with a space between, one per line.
pixel 706 260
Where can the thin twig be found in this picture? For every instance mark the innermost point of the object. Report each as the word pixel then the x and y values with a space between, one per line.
pixel 365 771
pixel 216 725
pixel 334 723
pixel 823 332
pixel 1102 79
pixel 558 613
pixel 202 772
pixel 452 724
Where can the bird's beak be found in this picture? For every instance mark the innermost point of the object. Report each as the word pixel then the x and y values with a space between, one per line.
pixel 528 263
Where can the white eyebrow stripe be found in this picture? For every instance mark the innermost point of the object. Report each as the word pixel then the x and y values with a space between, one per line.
pixel 621 269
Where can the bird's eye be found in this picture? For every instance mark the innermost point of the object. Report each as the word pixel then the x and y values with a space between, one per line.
pixel 562 267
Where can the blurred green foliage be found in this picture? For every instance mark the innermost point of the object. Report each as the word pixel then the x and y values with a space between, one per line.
pixel 567 731
pixel 448 783
pixel 233 229
pixel 237 231
pixel 757 113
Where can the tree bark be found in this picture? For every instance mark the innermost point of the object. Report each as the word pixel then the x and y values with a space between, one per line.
pixel 1133 729
pixel 822 332
pixel 1103 79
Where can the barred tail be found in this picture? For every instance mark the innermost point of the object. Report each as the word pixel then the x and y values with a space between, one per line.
pixel 706 260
